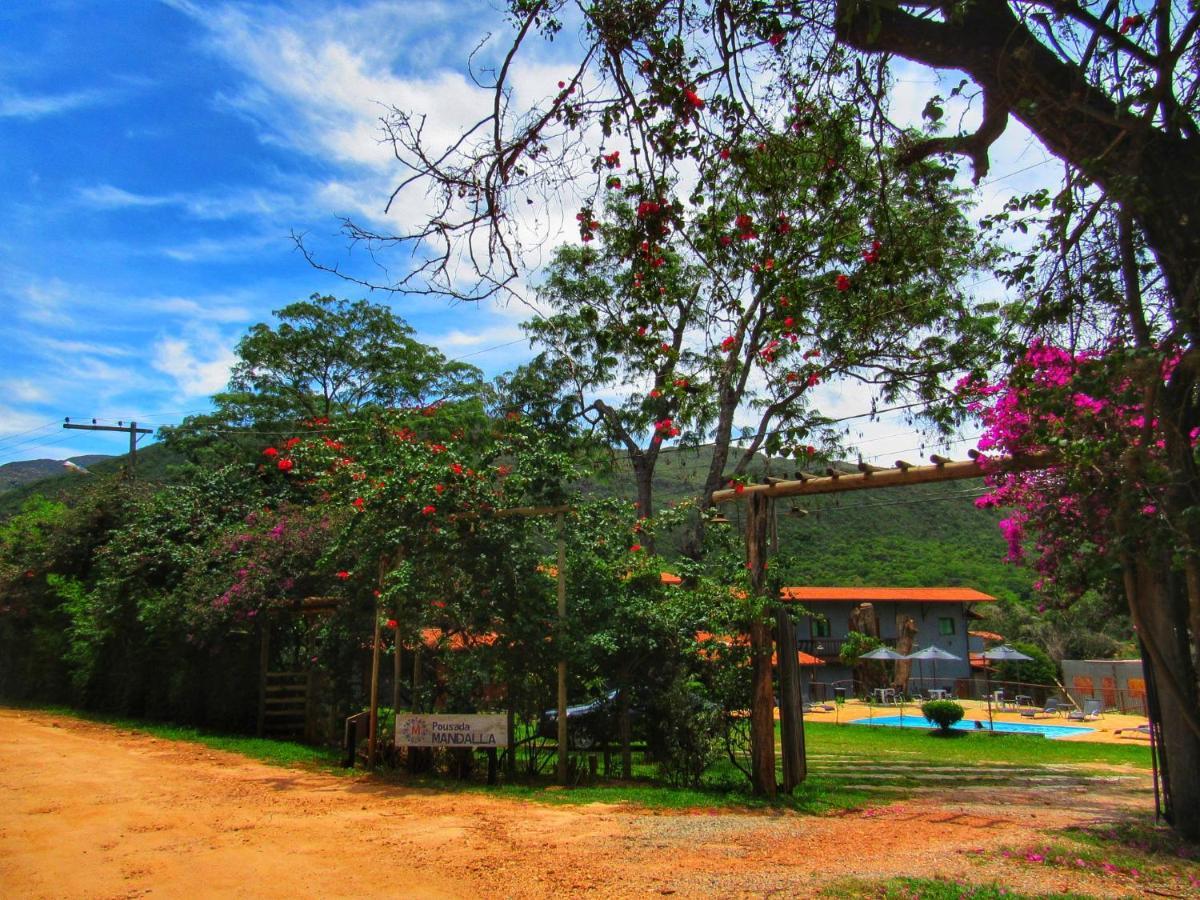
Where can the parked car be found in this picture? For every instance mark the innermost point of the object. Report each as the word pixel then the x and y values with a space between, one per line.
pixel 592 724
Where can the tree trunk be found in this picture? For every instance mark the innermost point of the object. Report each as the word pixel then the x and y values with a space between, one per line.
pixel 1158 604
pixel 762 701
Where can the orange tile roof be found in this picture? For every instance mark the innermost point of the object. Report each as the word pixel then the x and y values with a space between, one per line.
pixel 806 659
pixel 457 640
pixel 884 595
pixel 670 578
pixel 987 636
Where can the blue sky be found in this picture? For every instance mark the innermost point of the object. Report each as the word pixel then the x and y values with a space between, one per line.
pixel 156 155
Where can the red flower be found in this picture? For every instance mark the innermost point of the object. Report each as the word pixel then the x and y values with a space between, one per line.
pixel 842 283
pixel 776 39
pixel 439 487
pixel 270 452
pixel 655 392
pixel 285 465
pixel 456 468
pixel 343 575
pixel 393 624
pixel 613 160
pixel 1131 22
pixel 789 322
pixel 291 442
pixel 813 380
pixel 358 502
pixel 635 548
pixel 428 510
pixel 681 382
pixel 438 604
pixel 724 153
pixel 728 343
pixel 810 450
pixel 694 99
pixel 647 208
pixel 738 487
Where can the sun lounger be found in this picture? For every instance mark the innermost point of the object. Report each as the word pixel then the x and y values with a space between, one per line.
pixel 1091 710
pixel 1134 731
pixel 1052 708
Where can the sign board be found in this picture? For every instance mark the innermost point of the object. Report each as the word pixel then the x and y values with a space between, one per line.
pixel 479 732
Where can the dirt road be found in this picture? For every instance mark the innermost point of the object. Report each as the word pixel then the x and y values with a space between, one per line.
pixel 88 810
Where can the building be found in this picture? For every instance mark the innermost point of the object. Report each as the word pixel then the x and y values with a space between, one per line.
pixel 915 618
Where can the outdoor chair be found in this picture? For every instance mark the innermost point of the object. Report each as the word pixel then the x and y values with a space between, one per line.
pixel 1052 708
pixel 1135 730
pixel 1091 710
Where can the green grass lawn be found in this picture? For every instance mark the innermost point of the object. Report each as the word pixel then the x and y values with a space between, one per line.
pixel 836 752
pixel 967 747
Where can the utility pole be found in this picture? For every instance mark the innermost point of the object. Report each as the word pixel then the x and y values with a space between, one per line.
pixel 131 429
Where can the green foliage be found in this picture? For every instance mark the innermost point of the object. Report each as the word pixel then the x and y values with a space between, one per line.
pixel 855 645
pixel 1038 670
pixel 942 713
pixel 324 358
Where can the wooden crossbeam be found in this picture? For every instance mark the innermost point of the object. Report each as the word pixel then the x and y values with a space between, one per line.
pixel 942 470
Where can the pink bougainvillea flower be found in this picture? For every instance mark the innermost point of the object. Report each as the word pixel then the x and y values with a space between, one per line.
pixel 842 283
pixel 285 465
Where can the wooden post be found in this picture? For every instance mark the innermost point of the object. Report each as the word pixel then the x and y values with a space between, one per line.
pixel 562 662
pixel 791 705
pixel 762 702
pixel 373 722
pixel 396 667
pixel 264 662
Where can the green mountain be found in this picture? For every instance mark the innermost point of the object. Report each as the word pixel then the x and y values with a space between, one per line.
pixel 58 482
pixel 920 535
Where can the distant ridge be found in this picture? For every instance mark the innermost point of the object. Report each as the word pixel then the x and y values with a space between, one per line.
pixel 17 474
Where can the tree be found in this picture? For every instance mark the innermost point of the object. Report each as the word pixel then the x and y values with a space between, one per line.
pixel 795 260
pixel 1111 89
pixel 326 358
pixel 1106 510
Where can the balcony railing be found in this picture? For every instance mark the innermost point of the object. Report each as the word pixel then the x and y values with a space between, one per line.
pixel 827 648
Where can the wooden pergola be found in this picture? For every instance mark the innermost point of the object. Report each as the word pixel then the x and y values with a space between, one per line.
pixel 759 499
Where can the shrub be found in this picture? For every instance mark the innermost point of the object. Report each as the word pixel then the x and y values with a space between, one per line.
pixel 942 713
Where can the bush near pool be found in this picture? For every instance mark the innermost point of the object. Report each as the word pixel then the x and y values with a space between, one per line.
pixel 942 713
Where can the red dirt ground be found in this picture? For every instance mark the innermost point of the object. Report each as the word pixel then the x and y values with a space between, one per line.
pixel 88 810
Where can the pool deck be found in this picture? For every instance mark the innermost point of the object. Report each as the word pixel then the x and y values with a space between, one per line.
pixel 1103 729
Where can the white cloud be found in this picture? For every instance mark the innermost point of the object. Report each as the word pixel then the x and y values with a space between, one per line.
pixel 27 106
pixel 24 390
pixel 199 366
pixel 207 310
pixel 45 302
pixel 217 206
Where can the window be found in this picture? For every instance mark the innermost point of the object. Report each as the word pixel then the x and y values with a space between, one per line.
pixel 820 628
pixel 945 626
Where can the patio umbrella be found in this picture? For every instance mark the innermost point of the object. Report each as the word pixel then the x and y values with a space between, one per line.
pixel 884 653
pixel 933 654
pixel 998 654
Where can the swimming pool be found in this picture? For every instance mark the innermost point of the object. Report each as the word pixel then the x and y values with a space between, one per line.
pixel 918 721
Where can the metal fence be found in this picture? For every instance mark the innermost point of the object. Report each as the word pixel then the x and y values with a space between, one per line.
pixel 1131 701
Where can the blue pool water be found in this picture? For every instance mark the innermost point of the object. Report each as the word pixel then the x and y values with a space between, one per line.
pixel 918 721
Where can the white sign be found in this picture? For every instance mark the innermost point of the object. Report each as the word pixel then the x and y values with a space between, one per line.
pixel 481 732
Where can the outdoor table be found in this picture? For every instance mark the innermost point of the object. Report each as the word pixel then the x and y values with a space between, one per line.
pixel 937 693
pixel 1023 700
pixel 885 695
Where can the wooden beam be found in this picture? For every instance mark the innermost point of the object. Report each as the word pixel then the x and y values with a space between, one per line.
pixel 833 484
